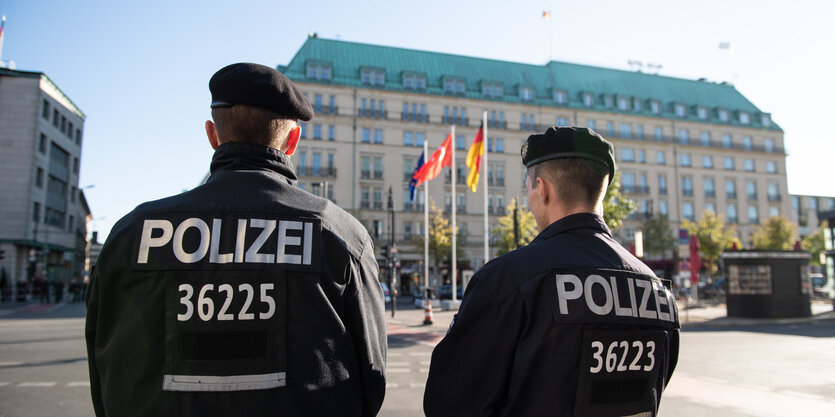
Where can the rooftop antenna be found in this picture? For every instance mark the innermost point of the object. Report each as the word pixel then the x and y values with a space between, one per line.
pixel 635 65
pixel 654 69
pixel 727 46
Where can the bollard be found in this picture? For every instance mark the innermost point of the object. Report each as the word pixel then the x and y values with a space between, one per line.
pixel 427 320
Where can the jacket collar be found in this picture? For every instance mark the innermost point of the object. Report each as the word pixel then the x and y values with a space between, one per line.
pixel 252 157
pixel 574 221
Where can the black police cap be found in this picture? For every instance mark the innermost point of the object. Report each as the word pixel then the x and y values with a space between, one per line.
pixel 569 142
pixel 258 86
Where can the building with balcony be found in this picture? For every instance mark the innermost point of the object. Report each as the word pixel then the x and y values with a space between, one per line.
pixel 806 211
pixel 677 141
pixel 43 213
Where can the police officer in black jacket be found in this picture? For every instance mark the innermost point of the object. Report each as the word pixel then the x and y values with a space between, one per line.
pixel 570 325
pixel 245 296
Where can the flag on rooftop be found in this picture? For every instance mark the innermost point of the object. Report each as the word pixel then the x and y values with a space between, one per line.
pixel 546 14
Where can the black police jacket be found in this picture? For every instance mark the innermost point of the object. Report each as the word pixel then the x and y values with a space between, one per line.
pixel 243 297
pixel 570 325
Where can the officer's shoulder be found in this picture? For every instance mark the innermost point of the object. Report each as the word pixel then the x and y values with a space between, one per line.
pixel 345 228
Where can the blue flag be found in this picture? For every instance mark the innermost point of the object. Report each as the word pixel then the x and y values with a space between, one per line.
pixel 413 182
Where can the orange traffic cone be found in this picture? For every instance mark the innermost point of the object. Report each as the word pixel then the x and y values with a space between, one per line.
pixel 427 320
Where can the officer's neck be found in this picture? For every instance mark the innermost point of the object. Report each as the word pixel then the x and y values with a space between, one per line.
pixel 556 212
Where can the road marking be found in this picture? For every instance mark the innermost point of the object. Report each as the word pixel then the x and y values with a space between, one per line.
pixel 805 395
pixel 3 384
pixel 395 354
pixel 417 385
pixel 420 353
pixel 752 386
pixel 37 384
pixel 423 370
pixel 10 363
pixel 78 384
pixel 397 369
pixel 390 385
pixel 711 379
pixel 424 363
pixel 397 364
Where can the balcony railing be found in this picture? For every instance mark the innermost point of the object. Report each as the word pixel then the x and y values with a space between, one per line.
pixel 378 175
pixel 412 207
pixel 459 121
pixel 752 196
pixel 413 117
pixel 773 197
pixel 495 181
pixel 365 174
pixel 662 191
pixel 326 110
pixel 365 204
pixel 378 205
pixel 687 192
pixel 317 171
pixel 730 194
pixel 635 189
pixel 710 194
pixel 650 137
pixel 373 114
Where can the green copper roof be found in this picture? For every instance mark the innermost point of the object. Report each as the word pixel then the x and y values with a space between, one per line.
pixel 347 59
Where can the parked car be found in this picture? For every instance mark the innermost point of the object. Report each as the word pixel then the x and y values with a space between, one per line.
pixel 386 292
pixel 821 286
pixel 445 292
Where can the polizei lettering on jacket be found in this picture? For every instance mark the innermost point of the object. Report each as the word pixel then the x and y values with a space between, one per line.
pixel 232 242
pixel 605 295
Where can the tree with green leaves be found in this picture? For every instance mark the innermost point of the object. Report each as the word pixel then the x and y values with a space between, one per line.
pixel 616 206
pixel 814 243
pixel 714 237
pixel 778 233
pixel 658 236
pixel 440 238
pixel 504 230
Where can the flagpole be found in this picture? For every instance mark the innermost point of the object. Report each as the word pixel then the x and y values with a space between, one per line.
pixel 485 171
pixel 426 225
pixel 454 266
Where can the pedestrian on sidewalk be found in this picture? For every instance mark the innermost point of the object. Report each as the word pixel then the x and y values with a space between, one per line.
pixel 570 325
pixel 246 296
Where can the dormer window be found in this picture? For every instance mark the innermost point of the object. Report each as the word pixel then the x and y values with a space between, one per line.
pixel 526 93
pixel 723 115
pixel 588 100
pixel 636 104
pixel 681 110
pixel 373 76
pixel 318 72
pixel 560 97
pixel 765 119
pixel 453 85
pixel 608 102
pixel 414 82
pixel 702 113
pixel 744 118
pixel 655 106
pixel 623 104
pixel 492 89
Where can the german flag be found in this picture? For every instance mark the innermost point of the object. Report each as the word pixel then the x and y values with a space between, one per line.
pixel 474 159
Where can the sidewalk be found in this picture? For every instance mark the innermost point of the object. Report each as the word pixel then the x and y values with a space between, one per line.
pixel 411 319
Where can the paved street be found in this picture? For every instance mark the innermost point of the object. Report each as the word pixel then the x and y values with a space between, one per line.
pixel 743 369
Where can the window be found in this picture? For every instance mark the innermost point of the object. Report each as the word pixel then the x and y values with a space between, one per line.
pixel 726 141
pixel 45 109
pixel 625 130
pixel 590 124
pixel 69 130
pixel 374 77
pixel 707 161
pixel 462 203
pixel 768 144
pixel 732 215
pixel 640 131
pixel 491 89
pixel 460 142
pixel 365 167
pixel 753 215
pixel 610 128
pixel 331 169
pixel 751 189
pixel 687 211
pixel 332 104
pixel 627 155
pixel 42 144
pixel 704 138
pixel 302 162
pixel 710 207
pixel 407 138
pixel 78 136
pixel 684 160
pixel 36 212
pixel 317 164
pixel 773 192
pixel 765 119
pixel 588 100
pixel 747 143
pixel 317 132
pixel 39 177
pixel 642 156
pixel 452 85
pixel 710 188
pixel 408 81
pixel 771 167
pixel 749 165
pixel 662 184
pixel 72 194
pixel 655 107
pixel 729 163
pixel 702 113
pixel 730 189
pixel 499 145
pixel 659 134
pixel 660 157
pixel 723 115
pixel 365 197
pixel 560 97
pixel 744 118
pixel 331 132
pixel 378 136
pixel 774 211
pixel 378 167
pixel 317 103
pixel 608 102
pixel 623 104
pixel 681 110
pixel 419 137
pixel 75 166
pixel 687 186
pixel 365 137
pixel 562 121
pixel 662 208
pixel 318 72
pixel 813 203
pixel 408 168
pixel 627 182
pixel 63 124
pixel 526 93
pixel 683 136
pixel 303 133
pixel 56 117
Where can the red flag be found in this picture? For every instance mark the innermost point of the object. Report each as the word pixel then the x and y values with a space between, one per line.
pixel 442 157
pixel 695 261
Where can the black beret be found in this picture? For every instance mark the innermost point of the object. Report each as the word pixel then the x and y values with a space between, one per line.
pixel 569 142
pixel 258 86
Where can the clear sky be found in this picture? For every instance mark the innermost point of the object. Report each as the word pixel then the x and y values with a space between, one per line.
pixel 140 70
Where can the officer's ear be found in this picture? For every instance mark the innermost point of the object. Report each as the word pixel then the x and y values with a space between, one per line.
pixel 211 132
pixel 289 147
pixel 544 189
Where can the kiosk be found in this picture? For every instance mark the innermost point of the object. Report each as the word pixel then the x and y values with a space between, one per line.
pixel 768 284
